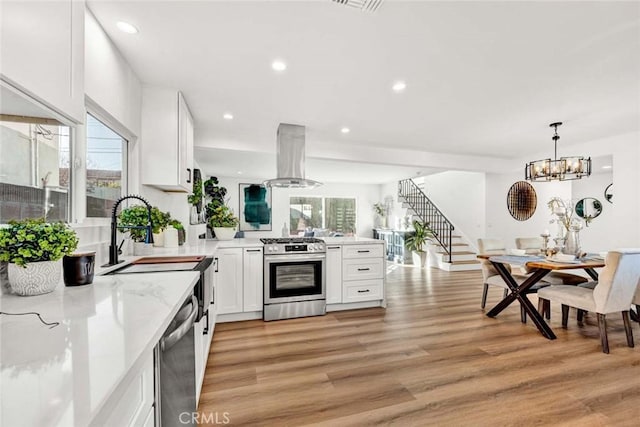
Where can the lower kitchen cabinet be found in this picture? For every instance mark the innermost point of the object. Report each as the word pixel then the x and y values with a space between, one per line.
pixel 228 280
pixel 239 280
pixel 252 274
pixel 363 268
pixel 135 406
pixel 334 274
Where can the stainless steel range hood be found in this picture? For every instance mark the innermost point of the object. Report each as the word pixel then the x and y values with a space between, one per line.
pixel 291 158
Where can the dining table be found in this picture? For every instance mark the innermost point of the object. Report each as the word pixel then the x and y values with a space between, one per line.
pixel 538 267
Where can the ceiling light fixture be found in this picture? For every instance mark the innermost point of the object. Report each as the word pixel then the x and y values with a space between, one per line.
pixel 399 86
pixel 125 27
pixel 565 169
pixel 606 167
pixel 278 65
pixel 227 116
pixel 345 130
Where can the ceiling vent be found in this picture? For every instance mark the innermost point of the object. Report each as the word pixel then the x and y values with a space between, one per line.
pixel 366 5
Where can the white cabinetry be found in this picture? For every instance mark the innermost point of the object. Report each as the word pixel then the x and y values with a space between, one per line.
pixel 167 140
pixel 135 403
pixel 363 273
pixel 228 280
pixel 42 52
pixel 252 279
pixel 334 274
pixel 239 283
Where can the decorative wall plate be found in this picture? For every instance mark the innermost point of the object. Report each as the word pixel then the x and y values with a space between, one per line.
pixel 522 200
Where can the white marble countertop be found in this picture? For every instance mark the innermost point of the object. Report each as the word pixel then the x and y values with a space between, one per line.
pixel 65 374
pixel 354 240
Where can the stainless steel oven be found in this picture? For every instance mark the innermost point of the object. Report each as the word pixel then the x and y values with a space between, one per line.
pixel 294 278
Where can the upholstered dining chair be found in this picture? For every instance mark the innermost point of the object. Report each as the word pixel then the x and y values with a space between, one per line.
pixel 532 246
pixel 491 277
pixel 616 290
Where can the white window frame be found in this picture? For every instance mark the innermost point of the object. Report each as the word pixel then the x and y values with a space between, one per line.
pixel 324 205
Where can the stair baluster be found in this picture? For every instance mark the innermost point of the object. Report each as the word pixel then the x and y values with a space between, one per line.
pixel 428 213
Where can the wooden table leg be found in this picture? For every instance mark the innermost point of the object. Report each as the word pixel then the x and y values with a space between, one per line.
pixel 519 293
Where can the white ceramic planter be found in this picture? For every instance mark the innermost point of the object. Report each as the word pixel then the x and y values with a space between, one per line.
pixel 141 248
pixel 419 259
pixel 158 239
pixel 224 233
pixel 36 278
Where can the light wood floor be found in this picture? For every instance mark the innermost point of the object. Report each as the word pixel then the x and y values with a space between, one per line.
pixel 430 358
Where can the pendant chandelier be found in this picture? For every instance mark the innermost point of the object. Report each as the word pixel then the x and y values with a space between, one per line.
pixel 563 169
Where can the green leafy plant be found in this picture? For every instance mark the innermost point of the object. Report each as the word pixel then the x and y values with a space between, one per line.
pixel 136 216
pixel 221 216
pixel 419 238
pixel 160 220
pixel 379 209
pixel 215 192
pixel 33 240
pixel 196 198
pixel 176 224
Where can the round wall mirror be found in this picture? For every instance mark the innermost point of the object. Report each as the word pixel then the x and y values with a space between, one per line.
pixel 522 200
pixel 608 193
pixel 588 209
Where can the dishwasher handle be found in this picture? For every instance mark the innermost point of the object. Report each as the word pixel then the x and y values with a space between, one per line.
pixel 170 340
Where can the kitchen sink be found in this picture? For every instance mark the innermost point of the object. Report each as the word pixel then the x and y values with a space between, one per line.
pixel 156 264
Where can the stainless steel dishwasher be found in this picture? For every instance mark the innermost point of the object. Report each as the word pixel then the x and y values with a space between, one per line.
pixel 175 368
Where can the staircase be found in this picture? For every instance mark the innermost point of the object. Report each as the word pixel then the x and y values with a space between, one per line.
pixel 449 249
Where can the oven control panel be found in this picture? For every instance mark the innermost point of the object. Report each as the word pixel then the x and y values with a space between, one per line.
pixel 295 248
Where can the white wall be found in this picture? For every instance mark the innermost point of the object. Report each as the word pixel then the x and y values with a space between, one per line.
pixel 365 194
pixel 460 196
pixel 501 225
pixel 596 233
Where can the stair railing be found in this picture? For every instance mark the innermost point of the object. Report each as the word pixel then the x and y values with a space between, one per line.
pixel 428 213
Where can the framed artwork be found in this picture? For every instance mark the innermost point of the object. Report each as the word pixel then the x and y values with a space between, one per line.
pixel 255 207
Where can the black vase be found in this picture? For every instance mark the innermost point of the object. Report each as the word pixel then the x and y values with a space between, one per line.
pixel 78 268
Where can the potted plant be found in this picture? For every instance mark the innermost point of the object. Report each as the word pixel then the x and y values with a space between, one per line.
pixel 222 221
pixel 195 199
pixel 182 235
pixel 135 220
pixel 160 221
pixel 381 213
pixel 416 242
pixel 33 250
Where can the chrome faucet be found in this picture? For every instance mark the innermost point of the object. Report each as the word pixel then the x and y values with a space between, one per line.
pixel 114 250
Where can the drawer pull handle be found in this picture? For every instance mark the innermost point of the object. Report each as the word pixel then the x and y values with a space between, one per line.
pixel 363 269
pixel 333 247
pixel 254 250
pixel 363 252
pixel 363 291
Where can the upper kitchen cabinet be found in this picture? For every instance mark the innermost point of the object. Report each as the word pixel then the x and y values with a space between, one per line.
pixel 42 53
pixel 167 140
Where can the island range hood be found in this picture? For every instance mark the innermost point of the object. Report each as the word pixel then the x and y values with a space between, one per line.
pixel 291 158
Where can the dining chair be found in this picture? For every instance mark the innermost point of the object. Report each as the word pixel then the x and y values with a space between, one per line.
pixel 532 246
pixel 616 290
pixel 491 277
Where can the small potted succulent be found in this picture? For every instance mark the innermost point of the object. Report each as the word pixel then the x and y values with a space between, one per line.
pixel 33 250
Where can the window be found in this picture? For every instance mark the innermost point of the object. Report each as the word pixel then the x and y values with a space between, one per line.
pixel 34 169
pixel 322 215
pixel 106 163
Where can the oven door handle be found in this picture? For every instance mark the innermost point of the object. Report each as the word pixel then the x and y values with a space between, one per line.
pixel 296 257
pixel 170 340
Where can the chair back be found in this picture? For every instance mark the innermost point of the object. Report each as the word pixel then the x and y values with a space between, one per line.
pixel 490 247
pixel 531 245
pixel 618 281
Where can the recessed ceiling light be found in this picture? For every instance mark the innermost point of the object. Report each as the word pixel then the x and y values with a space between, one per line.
pixel 278 65
pixel 606 167
pixel 399 86
pixel 125 27
pixel 239 172
pixel 227 116
pixel 345 130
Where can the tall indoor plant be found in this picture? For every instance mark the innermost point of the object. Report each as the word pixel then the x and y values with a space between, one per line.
pixel 417 242
pixel 33 250
pixel 220 218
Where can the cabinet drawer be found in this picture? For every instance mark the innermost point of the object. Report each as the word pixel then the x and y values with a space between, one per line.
pixel 362 290
pixel 362 269
pixel 363 251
